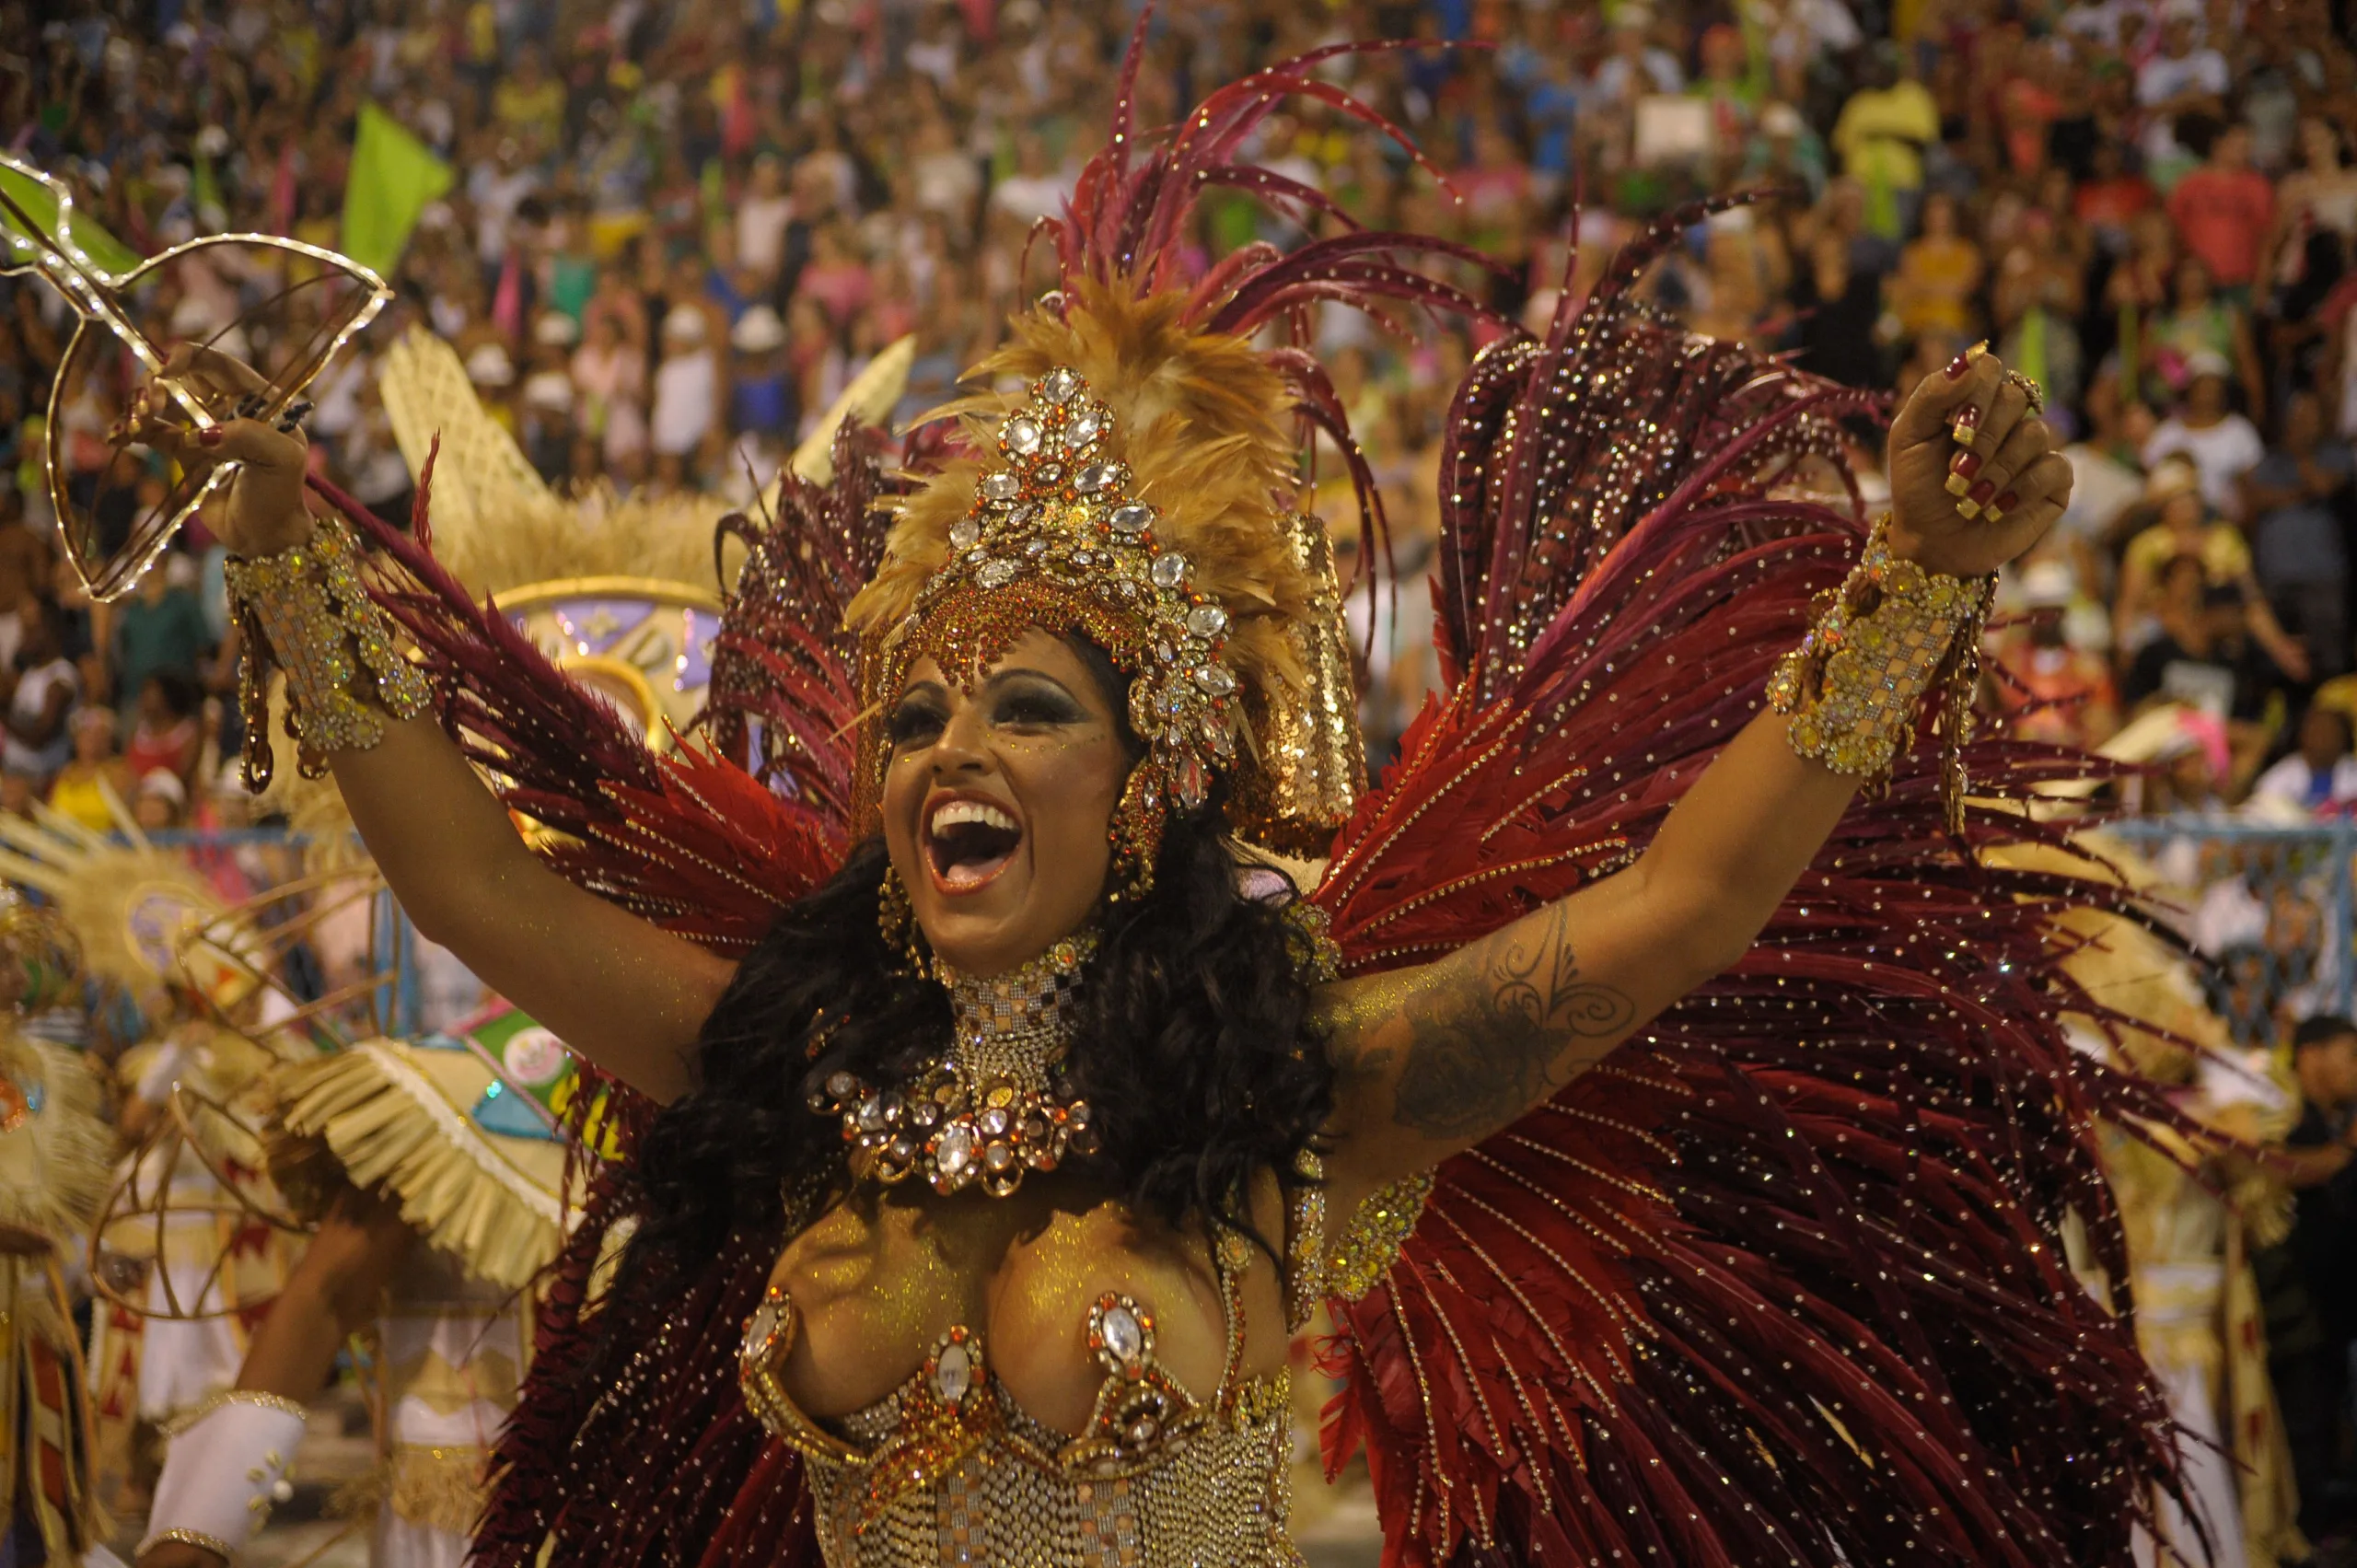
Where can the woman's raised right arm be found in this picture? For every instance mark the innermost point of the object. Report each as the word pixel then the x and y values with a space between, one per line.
pixel 628 995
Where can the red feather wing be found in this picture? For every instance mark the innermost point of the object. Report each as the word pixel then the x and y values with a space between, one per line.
pixel 1780 1280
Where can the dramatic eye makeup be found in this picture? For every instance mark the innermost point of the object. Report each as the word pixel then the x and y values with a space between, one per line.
pixel 919 716
pixel 1022 697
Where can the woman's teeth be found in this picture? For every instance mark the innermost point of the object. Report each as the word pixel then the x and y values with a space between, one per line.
pixel 958 813
pixel 970 842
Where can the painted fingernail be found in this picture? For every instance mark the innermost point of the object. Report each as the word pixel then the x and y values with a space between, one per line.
pixel 2005 504
pixel 211 436
pixel 1981 492
pixel 1967 422
pixel 1973 354
pixel 1960 471
pixel 1959 366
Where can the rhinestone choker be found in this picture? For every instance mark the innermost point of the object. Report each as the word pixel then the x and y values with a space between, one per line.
pixel 997 1105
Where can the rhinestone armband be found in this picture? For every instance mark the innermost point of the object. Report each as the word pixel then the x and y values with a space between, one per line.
pixel 1855 683
pixel 305 610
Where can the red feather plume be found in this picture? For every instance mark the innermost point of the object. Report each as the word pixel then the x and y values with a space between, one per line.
pixel 1779 1282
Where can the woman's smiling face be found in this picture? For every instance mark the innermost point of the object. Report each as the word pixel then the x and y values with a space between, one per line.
pixel 999 799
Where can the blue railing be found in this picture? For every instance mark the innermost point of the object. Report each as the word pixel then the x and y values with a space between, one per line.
pixel 2269 906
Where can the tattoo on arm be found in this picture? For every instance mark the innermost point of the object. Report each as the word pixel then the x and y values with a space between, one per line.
pixel 1481 1052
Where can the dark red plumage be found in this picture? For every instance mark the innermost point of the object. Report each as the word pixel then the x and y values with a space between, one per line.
pixel 1780 1282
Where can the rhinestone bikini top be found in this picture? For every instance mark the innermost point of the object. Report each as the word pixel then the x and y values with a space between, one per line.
pixel 948 1468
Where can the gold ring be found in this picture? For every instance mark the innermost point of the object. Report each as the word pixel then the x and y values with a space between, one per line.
pixel 2029 389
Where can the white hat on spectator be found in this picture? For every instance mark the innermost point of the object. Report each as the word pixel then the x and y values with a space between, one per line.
pixel 1780 119
pixel 489 365
pixel 758 330
pixel 2171 478
pixel 551 390
pixel 556 330
pixel 2049 585
pixel 2181 11
pixel 212 141
pixel 165 783
pixel 1632 19
pixel 685 324
pixel 2207 362
pixel 180 569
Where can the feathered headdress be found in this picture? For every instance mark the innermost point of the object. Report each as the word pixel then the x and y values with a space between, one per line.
pixel 1134 475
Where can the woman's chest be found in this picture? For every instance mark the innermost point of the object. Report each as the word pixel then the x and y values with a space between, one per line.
pixel 878 1287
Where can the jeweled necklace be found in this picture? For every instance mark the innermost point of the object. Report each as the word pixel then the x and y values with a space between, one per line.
pixel 997 1105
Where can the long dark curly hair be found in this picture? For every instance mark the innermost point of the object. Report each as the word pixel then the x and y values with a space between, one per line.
pixel 1193 1046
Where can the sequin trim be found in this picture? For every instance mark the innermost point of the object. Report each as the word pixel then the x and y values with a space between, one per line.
pixel 948 1468
pixel 305 610
pixel 1370 1243
pixel 1853 686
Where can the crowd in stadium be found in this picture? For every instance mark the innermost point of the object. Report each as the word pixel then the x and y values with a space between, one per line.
pixel 672 234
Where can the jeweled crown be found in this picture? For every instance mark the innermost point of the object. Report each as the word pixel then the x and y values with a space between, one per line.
pixel 1057 538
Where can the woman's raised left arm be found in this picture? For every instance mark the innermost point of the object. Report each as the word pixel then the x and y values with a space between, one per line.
pixel 1433 1059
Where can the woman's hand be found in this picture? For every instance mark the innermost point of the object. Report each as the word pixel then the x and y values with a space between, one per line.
pixel 264 510
pixel 2015 482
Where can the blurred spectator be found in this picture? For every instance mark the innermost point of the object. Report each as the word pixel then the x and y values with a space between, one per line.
pixel 2309 1282
pixel 2320 776
pixel 2224 211
pixel 1634 67
pixel 2054 691
pixel 686 420
pixel 164 735
pixel 2207 658
pixel 1840 307
pixel 1939 274
pixel 159 628
pixel 80 788
pixel 1882 134
pixel 25 567
pixel 2297 497
pixel 2222 445
pixel 761 386
pixel 161 803
pixel 41 687
pixel 2178 525
pixel 2184 78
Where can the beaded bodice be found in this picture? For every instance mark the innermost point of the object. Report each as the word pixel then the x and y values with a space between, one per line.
pixel 950 1468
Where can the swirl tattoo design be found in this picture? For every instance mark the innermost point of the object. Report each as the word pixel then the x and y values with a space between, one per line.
pixel 1481 1052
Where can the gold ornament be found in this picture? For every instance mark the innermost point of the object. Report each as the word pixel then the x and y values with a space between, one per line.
pixel 305 610
pixel 997 1105
pixel 1854 684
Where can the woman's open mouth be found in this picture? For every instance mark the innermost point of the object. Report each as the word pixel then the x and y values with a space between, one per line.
pixel 967 843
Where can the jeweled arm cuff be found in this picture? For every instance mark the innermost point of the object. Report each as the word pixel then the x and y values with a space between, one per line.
pixel 305 610
pixel 1854 685
pixel 230 1463
pixel 1348 1265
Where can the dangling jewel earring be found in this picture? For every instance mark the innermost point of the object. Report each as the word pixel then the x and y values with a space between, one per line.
pixel 895 922
pixel 1136 832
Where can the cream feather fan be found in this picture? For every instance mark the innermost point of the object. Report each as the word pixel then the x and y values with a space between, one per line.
pixel 127 903
pixel 497 526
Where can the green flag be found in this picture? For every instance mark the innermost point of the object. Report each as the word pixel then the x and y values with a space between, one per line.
pixel 394 175
pixel 106 252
